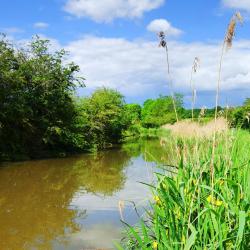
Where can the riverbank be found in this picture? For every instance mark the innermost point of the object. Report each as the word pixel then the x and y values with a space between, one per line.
pixel 206 204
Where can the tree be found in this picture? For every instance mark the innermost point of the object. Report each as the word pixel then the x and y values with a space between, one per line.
pixel 132 113
pixel 104 112
pixel 160 111
pixel 36 104
pixel 240 117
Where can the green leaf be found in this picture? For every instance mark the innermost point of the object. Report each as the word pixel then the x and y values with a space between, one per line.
pixel 191 239
pixel 242 222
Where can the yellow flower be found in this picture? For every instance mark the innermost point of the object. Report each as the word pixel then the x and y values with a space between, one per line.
pixel 218 203
pixel 157 199
pixel 213 201
pixel 209 198
pixel 155 245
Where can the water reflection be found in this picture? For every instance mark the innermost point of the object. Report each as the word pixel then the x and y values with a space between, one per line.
pixel 70 203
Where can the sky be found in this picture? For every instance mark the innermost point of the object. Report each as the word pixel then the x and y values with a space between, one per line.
pixel 115 43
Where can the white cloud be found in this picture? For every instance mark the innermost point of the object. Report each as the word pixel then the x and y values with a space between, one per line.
pixel 12 30
pixel 41 25
pixel 158 25
pixel 237 4
pixel 138 68
pixel 107 10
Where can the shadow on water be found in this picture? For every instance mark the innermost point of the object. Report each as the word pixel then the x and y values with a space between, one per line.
pixel 70 203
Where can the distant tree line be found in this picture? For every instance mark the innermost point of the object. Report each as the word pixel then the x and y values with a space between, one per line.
pixel 41 116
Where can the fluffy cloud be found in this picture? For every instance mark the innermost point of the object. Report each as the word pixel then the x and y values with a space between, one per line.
pixel 107 10
pixel 163 25
pixel 237 4
pixel 12 30
pixel 138 68
pixel 41 25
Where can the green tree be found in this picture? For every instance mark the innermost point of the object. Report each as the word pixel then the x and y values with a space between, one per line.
pixel 240 117
pixel 36 104
pixel 156 112
pixel 104 111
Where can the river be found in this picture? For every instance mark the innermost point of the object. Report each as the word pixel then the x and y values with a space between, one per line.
pixel 73 203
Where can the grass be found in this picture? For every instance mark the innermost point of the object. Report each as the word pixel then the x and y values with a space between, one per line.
pixel 186 212
pixel 203 201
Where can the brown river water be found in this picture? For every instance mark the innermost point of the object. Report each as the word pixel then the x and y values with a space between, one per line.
pixel 73 203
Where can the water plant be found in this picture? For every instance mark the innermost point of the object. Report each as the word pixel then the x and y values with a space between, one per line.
pixel 186 213
pixel 203 201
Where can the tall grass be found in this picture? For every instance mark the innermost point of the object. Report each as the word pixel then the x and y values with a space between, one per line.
pixel 184 214
pixel 204 201
pixel 227 44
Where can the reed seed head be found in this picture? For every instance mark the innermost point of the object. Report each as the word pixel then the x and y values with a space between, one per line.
pixel 196 64
pixel 231 29
pixel 239 17
pixel 202 112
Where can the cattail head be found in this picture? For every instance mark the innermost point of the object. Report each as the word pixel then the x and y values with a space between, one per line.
pixel 231 29
pixel 162 38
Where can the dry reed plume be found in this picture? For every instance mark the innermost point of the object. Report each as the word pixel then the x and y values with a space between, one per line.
pixel 193 129
pixel 195 66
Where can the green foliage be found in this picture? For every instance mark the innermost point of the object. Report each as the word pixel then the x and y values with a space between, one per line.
pixel 188 211
pixel 132 113
pixel 36 104
pixel 40 115
pixel 160 111
pixel 240 117
pixel 132 120
pixel 102 114
pixel 208 113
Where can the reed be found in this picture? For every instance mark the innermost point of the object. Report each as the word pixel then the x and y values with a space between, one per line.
pixel 227 44
pixel 195 66
pixel 163 44
pixel 203 202
pixel 184 214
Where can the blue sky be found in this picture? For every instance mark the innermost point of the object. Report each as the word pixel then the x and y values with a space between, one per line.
pixel 115 43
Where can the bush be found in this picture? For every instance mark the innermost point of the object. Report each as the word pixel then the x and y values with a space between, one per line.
pixel 240 117
pixel 103 115
pixel 36 106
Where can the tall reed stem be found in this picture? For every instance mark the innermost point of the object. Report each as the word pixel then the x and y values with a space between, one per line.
pixel 192 87
pixel 163 44
pixel 171 85
pixel 216 113
pixel 227 43
pixel 193 70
